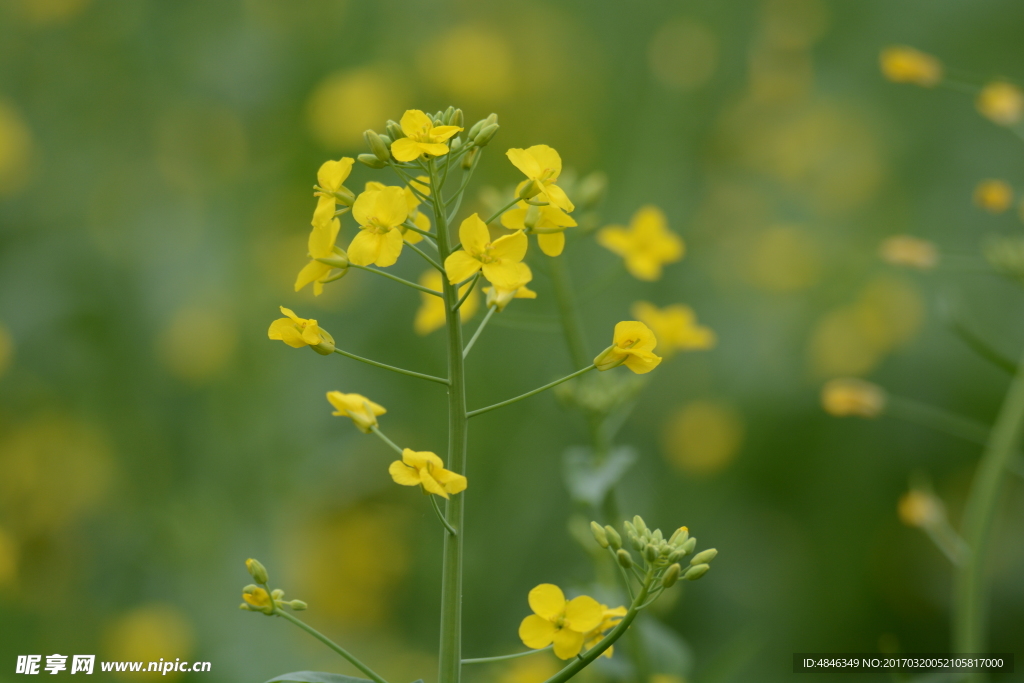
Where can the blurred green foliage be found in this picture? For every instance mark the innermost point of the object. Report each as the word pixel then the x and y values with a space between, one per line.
pixel 156 164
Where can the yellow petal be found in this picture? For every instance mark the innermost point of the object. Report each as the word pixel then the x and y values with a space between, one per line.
pixel 312 271
pixel 391 209
pixel 452 482
pixel 403 474
pixel 536 632
pixel 405 149
pixel 503 275
pixel 643 267
pixel 515 219
pixel 430 315
pixel 433 148
pixel 510 247
pixel 442 133
pixel 553 217
pixel 548 160
pixel 583 614
pixel 460 266
pixel 324 212
pixel 474 235
pixel 322 238
pixel 615 238
pixel 365 248
pixel 643 362
pixel 333 173
pixel 390 248
pixel 557 197
pixel 634 335
pixel 364 206
pixel 431 485
pixel 551 244
pixel 414 122
pixel 291 314
pixel 525 162
pixel 547 600
pixel 568 643
pixel 311 334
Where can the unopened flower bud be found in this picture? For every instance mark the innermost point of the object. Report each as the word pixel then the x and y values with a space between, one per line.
pixel 671 575
pixel 394 130
pixel 491 118
pixel 704 556
pixel 696 571
pixel 688 547
pixel 608 359
pixel 336 260
pixel 298 605
pixel 679 536
pixel 657 536
pixel 635 541
pixel 664 549
pixel 257 571
pixel 531 188
pixel 468 158
pixel 630 529
pixel 371 160
pixel 651 553
pixel 485 135
pixel 476 128
pixel 614 540
pixel 599 534
pixel 676 555
pixel 624 558
pixel 455 143
pixel 377 146
pixel 324 348
pixel 638 522
pixel 457 118
pixel 277 594
pixel 446 118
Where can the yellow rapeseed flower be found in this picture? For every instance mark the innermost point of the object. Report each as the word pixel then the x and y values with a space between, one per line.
pixel 846 396
pixel 906 250
pixel 675 327
pixel 330 179
pixel 298 332
pixel 1001 102
pixel 548 223
pixel 258 598
pixel 542 165
pixel 633 346
pixel 418 218
pixel 379 214
pixel 500 260
pixel 421 137
pixel 501 296
pixel 565 623
pixel 995 196
pixel 919 508
pixel 609 619
pixel 362 410
pixel 321 245
pixel 430 315
pixel 426 470
pixel 646 245
pixel 902 64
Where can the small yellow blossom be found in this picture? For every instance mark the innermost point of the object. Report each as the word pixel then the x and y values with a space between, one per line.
pixel 362 410
pixel 901 64
pixel 321 245
pixel 675 327
pixel 995 196
pixel 1001 102
pixel 541 164
pixel 330 183
pixel 499 260
pixel 379 214
pixel 920 508
pixel 421 137
pixel 633 346
pixel 566 623
pixel 258 598
pixel 913 252
pixel 297 332
pixel 426 470
pixel 609 619
pixel 846 396
pixel 417 217
pixel 548 223
pixel 500 297
pixel 646 245
pixel 430 315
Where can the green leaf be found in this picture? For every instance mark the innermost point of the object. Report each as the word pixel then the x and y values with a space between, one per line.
pixel 589 482
pixel 316 677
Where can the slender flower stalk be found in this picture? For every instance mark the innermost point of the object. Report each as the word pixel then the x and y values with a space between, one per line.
pixel 331 644
pixel 392 368
pixel 528 394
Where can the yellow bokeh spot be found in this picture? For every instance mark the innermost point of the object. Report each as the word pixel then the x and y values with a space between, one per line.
pixel 147 634
pixel 56 469
pixel 8 559
pixel 6 350
pixel 199 146
pixel 16 151
pixel 683 54
pixel 50 11
pixel 196 343
pixel 995 196
pixel 703 437
pixel 784 259
pixel 909 251
pixel 346 103
pixel 919 508
pixel 528 670
pixel 470 63
pixel 902 64
pixel 667 678
pixel 1002 103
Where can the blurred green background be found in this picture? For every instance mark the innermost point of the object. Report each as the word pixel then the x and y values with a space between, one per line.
pixel 156 164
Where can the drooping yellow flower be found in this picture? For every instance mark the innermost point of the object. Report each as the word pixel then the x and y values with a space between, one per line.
pixel 258 598
pixel 330 183
pixel 548 223
pixel 1001 102
pixel 920 509
pixel 500 297
pixel 906 250
pixel 675 327
pixel 321 245
pixel 298 332
pixel 541 164
pixel 646 245
pixel 846 396
pixel 902 64
pixel 499 260
pixel 609 619
pixel 995 196
pixel 557 620
pixel 362 410
pixel 418 218
pixel 633 346
pixel 430 315
pixel 379 214
pixel 426 470
pixel 421 137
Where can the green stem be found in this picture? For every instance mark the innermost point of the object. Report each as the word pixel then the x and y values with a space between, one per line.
pixel 376 430
pixel 981 347
pixel 972 579
pixel 936 418
pixel 501 211
pixel 480 411
pixel 572 323
pixel 400 371
pixel 502 658
pixel 450 656
pixel 462 189
pixel 479 329
pixel 468 291
pixel 426 290
pixel 331 644
pixel 425 256
pixel 409 180
pixel 440 516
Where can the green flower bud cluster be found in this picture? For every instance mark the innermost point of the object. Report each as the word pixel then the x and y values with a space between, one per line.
pixel 658 554
pixel 260 598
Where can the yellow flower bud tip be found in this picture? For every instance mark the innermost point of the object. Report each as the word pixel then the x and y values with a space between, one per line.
pixel 671 575
pixel 696 571
pixel 995 196
pixel 599 534
pixel 614 540
pixel 849 396
pixel 257 571
pixel 909 251
pixel 426 470
pixel 704 556
pixel 921 509
pixel 624 558
pixel 679 536
pixel 902 64
pixel 1001 103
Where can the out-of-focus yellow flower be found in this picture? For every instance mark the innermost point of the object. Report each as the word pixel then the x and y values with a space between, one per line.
pixel 362 410
pixel 500 260
pixel 609 618
pixel 148 633
pixel 646 245
pixel 470 62
pixel 330 185
pixel 906 250
pixel 565 623
pixel 703 437
pixel 542 164
pixel 330 178
pixel 379 214
pixel 500 297
pixel 6 349
pixel 426 470
pixel 197 343
pixel 920 508
pixel 297 332
pixel 548 223
pixel 258 598
pixel 846 396
pixel 675 327
pixel 418 218
pixel 430 315
pixel 421 137
pixel 1001 102
pixel 995 196
pixel 346 103
pixel 902 64
pixel 633 346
